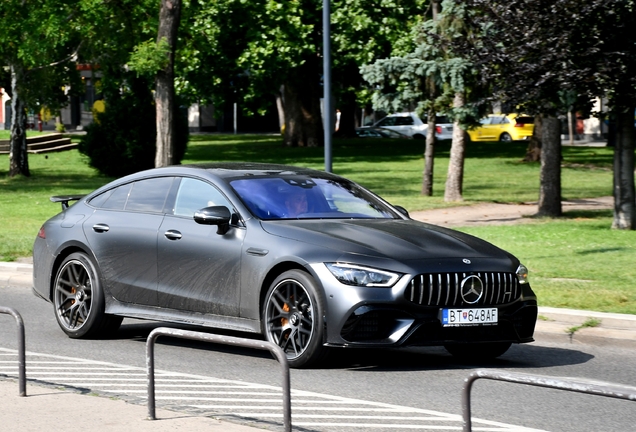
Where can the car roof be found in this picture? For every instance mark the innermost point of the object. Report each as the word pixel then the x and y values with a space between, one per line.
pixel 229 170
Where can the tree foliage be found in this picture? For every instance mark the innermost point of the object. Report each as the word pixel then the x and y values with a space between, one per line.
pixel 122 139
pixel 547 53
pixel 38 40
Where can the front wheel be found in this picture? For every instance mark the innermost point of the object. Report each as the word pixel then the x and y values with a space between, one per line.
pixel 478 351
pixel 505 137
pixel 79 300
pixel 293 318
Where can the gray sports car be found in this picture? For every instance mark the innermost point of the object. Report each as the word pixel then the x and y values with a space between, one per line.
pixel 309 259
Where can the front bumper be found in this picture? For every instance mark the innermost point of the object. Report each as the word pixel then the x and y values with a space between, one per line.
pixel 383 317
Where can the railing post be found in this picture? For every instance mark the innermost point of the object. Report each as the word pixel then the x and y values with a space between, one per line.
pixel 578 386
pixel 226 340
pixel 21 348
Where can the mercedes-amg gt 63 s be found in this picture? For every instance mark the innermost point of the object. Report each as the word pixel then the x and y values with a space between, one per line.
pixel 310 260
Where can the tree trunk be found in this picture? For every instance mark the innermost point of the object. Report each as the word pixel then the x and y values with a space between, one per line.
pixel 18 155
pixel 429 155
pixel 303 120
pixel 533 153
pixel 455 176
pixel 165 105
pixel 280 107
pixel 347 106
pixel 624 196
pixel 550 188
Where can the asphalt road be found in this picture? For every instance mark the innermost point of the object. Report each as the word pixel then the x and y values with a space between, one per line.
pixel 355 391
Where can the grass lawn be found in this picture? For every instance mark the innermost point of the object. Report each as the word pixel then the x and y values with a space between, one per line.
pixel 575 262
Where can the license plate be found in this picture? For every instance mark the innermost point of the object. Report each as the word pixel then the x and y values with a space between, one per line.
pixel 469 317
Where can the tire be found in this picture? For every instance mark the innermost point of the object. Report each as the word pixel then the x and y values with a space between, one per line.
pixel 79 300
pixel 293 318
pixel 478 351
pixel 505 137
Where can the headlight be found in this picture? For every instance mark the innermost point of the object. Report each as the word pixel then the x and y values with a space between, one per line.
pixel 522 274
pixel 351 274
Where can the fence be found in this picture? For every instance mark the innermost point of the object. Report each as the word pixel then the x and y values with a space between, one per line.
pixel 226 340
pixel 598 389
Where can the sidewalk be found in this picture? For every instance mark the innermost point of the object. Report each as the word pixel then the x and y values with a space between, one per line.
pixel 52 409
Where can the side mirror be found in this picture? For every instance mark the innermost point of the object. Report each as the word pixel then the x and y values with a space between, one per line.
pixel 402 210
pixel 216 215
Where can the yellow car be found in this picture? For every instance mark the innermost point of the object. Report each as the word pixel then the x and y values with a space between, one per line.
pixel 503 127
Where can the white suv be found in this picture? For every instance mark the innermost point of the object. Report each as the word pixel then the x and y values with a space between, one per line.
pixel 408 123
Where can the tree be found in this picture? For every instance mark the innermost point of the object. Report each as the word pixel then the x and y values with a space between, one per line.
pixel 252 52
pixel 169 16
pixel 429 75
pixel 592 54
pixel 37 42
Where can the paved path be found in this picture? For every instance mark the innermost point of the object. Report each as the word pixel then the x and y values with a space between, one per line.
pixel 501 214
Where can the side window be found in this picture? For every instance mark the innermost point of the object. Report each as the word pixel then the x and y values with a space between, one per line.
pixel 387 121
pixel 117 199
pixel 404 121
pixel 196 194
pixel 149 195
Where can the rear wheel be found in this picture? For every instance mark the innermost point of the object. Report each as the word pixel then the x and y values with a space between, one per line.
pixel 478 351
pixel 505 137
pixel 293 318
pixel 79 300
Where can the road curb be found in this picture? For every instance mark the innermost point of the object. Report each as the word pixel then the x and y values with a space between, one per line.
pixel 568 326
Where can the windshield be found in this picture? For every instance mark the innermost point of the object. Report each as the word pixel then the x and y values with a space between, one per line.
pixel 300 197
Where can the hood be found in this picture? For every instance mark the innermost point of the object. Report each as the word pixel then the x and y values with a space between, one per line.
pixel 388 238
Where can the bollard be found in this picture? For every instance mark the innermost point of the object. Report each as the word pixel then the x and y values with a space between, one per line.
pixel 21 348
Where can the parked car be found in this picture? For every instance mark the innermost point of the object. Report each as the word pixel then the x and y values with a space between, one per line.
pixel 308 259
pixel 503 127
pixel 378 132
pixel 409 123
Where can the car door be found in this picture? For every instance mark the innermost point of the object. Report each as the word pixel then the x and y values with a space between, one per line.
pixel 199 269
pixel 122 233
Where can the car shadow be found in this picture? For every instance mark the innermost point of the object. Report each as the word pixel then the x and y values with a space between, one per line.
pixel 521 356
pixel 436 358
pixel 137 330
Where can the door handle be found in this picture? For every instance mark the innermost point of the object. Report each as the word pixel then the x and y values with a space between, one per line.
pixel 173 235
pixel 100 228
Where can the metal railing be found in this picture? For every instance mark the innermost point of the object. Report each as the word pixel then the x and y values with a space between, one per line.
pixel 21 348
pixel 598 389
pixel 226 340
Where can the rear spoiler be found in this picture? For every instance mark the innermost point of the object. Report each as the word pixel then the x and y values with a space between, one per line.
pixel 64 199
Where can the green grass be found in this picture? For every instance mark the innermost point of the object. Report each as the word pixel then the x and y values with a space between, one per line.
pixel 576 262
pixel 6 134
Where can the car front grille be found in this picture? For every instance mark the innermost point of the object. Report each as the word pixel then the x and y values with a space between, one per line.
pixel 444 289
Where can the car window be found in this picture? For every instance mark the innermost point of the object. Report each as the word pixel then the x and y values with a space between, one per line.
pixel 525 120
pixel 485 121
pixel 149 195
pixel 117 198
pixel 387 121
pixel 194 194
pixel 298 197
pixel 497 120
pixel 404 121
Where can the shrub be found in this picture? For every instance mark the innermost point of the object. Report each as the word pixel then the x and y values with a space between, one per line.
pixel 122 140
